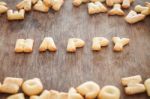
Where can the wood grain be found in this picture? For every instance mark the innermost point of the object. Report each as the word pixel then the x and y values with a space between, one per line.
pixel 61 70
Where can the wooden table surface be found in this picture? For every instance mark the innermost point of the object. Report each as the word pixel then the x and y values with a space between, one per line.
pixel 62 70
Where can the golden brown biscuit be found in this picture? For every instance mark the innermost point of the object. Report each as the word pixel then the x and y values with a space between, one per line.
pixel 89 89
pixel 109 92
pixel 96 7
pixel 116 10
pixel 99 42
pixel 135 79
pixel 142 9
pixel 134 88
pixel 24 45
pixel 48 44
pixel 3 7
pixel 25 4
pixel 74 43
pixel 11 85
pixel 32 87
pixel 40 6
pixel 112 2
pixel 9 88
pixel 133 85
pixel 120 43
pixel 17 81
pixel 54 4
pixel 15 15
pixel 57 4
pixel 133 17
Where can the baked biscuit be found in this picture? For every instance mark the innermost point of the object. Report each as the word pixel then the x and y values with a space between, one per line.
pixel 120 43
pixel 74 43
pixel 109 92
pixel 133 17
pixel 116 10
pixel 89 90
pixel 15 15
pixel 96 7
pixel 25 4
pixel 48 44
pixel 3 7
pixel 41 6
pixel 99 42
pixel 32 87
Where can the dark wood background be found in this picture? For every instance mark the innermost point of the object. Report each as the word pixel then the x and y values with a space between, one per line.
pixel 62 70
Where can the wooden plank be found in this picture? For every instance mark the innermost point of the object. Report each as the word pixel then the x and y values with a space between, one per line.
pixel 61 70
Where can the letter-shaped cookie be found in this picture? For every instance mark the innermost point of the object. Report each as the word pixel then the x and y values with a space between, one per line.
pixel 3 7
pixel 45 95
pixel 17 81
pixel 133 85
pixel 133 88
pixel 48 44
pixel 79 2
pixel 120 43
pixel 109 92
pixel 133 17
pixel 134 79
pixel 147 86
pixel 23 45
pixel 25 4
pixel 16 96
pixel 89 89
pixel 142 9
pixel 112 2
pixel 15 15
pixel 99 42
pixel 74 43
pixel 11 85
pixel 57 4
pixel 72 94
pixel 32 87
pixel 41 6
pixel 96 7
pixel 54 4
pixel 116 10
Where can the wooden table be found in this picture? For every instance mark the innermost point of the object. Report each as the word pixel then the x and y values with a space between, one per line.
pixel 62 70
